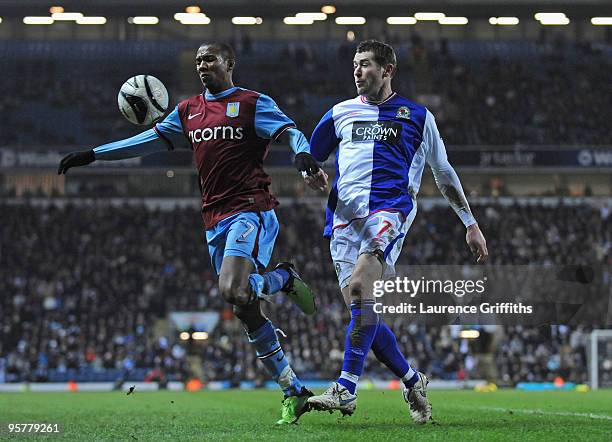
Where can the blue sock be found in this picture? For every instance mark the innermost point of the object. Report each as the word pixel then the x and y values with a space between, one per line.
pixel 256 286
pixel 359 336
pixel 268 283
pixel 387 351
pixel 271 354
pixel 275 280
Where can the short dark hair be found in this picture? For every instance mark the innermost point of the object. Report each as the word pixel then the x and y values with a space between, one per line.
pixel 383 53
pixel 225 50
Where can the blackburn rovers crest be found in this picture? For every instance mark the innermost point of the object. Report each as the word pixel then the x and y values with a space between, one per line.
pixel 403 112
pixel 232 110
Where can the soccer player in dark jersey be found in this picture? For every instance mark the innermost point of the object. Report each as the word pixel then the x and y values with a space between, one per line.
pixel 230 130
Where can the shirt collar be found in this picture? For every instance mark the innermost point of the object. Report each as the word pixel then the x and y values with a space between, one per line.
pixel 364 100
pixel 221 94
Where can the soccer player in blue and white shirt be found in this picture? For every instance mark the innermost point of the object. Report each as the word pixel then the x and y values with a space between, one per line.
pixel 382 142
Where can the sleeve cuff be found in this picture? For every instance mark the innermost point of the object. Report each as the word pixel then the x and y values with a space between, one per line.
pixel 282 129
pixel 468 219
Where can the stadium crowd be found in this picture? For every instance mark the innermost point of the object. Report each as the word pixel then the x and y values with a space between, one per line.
pixel 86 290
pixel 539 101
pixel 557 95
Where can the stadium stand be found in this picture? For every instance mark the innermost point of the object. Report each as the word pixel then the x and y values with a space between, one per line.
pixel 542 92
pixel 84 285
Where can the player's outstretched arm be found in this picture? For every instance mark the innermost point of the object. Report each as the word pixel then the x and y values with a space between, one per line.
pixel 314 176
pixel 477 243
pixel 157 139
pixel 449 185
pixel 75 159
pixel 272 123
pixel 142 144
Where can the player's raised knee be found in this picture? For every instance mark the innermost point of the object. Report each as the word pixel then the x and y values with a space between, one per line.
pixel 226 291
pixel 243 296
pixel 234 292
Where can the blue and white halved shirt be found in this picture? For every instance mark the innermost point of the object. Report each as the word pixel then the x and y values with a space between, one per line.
pixel 381 151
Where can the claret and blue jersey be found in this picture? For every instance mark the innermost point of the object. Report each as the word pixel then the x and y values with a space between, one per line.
pixel 230 134
pixel 381 150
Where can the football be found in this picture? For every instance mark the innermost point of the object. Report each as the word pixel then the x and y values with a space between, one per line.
pixel 143 99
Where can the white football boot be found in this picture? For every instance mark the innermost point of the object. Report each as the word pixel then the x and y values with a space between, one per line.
pixel 416 398
pixel 336 397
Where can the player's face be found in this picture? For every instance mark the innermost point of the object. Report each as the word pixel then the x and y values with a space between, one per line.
pixel 214 71
pixel 369 75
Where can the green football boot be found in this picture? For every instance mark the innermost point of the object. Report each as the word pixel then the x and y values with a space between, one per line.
pixel 294 406
pixel 297 290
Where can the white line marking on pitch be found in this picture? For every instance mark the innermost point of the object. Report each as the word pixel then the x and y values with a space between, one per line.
pixel 544 412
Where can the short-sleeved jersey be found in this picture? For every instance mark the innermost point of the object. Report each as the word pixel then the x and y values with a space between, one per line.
pixel 230 135
pixel 381 151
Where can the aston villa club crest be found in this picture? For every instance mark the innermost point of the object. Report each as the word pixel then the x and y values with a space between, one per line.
pixel 232 110
pixel 403 113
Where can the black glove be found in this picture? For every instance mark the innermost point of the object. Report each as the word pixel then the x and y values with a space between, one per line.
pixel 306 163
pixel 75 159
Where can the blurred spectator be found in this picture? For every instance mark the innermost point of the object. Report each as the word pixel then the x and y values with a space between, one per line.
pixel 552 93
pixel 84 286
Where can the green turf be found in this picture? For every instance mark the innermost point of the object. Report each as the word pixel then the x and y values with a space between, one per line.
pixel 250 415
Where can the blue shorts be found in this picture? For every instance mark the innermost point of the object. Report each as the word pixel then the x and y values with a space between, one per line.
pixel 247 234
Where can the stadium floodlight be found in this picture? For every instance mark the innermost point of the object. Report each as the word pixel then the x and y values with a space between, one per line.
pixel 504 21
pixel 559 21
pixel 401 20
pixel 199 336
pixel 247 20
pixel 192 9
pixel 187 18
pixel 453 21
pixel 30 20
pixel 601 21
pixel 328 9
pixel 429 16
pixel 469 334
pixel 55 9
pixel 184 336
pixel 143 20
pixel 66 16
pixel 198 20
pixel 350 20
pixel 186 15
pixel 297 21
pixel 0 19
pixel 91 20
pixel 316 16
pixel 549 15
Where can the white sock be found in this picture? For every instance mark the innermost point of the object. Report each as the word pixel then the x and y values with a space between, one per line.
pixel 409 375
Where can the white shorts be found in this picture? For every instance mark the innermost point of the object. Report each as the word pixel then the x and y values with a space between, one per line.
pixel 383 231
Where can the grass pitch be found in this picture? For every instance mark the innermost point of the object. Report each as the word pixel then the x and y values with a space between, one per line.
pixel 250 415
